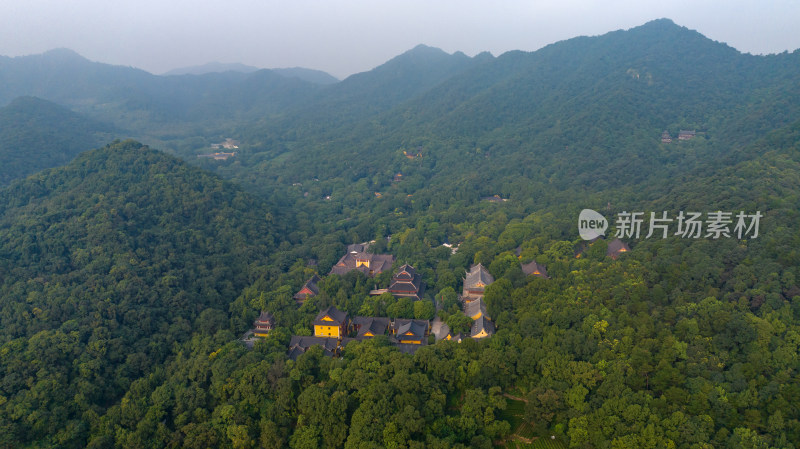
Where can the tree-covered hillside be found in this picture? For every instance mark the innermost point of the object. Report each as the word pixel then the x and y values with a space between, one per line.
pixel 36 134
pixel 688 343
pixel 105 265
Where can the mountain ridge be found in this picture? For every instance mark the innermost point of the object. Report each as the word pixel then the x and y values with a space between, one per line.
pixel 572 108
pixel 36 134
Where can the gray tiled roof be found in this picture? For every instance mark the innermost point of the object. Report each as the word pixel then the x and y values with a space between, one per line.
pixel 406 282
pixel 615 247
pixel 337 315
pixel 481 324
pixel 378 263
pixel 417 327
pixel 265 317
pixel 300 344
pixel 377 325
pixel 532 267
pixel 472 308
pixel 478 274
pixel 311 284
pixel 406 273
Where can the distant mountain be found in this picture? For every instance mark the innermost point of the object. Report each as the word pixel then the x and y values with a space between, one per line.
pixel 399 79
pixel 65 77
pixel 122 253
pixel 588 110
pixel 36 134
pixel 363 95
pixel 161 105
pixel 310 75
pixel 212 67
pixel 149 104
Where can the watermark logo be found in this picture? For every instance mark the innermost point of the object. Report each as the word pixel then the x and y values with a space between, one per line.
pixel 591 224
pixel 693 225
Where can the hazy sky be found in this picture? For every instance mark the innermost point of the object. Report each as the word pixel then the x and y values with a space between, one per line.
pixel 345 37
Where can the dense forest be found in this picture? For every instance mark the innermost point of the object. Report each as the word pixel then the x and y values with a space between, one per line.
pixel 129 276
pixel 36 134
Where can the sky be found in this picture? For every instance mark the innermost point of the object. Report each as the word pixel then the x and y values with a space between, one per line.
pixel 351 36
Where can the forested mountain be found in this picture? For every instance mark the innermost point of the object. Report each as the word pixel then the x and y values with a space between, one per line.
pixel 683 342
pixel 36 134
pixel 310 75
pixel 105 265
pixel 129 276
pixel 586 110
pixel 173 105
pixel 144 103
pixel 362 95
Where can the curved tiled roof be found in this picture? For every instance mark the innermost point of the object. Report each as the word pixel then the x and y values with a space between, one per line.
pixel 477 276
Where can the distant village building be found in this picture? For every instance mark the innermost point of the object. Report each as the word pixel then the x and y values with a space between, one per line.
pixel 413 154
pixel 476 281
pixel 218 156
pixel 367 263
pixel 308 290
pixel 228 144
pixel 665 137
pixel 686 135
pixel 453 248
pixel 406 283
pixel 494 199
pixel 331 322
pixel 398 177
pixel 534 269
pixel 616 247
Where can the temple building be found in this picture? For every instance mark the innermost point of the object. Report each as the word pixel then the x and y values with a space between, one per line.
pixel 309 290
pixel 358 259
pixel 410 331
pixel 616 247
pixel 534 269
pixel 406 283
pixel 481 328
pixel 300 344
pixel 263 324
pixel 369 327
pixel 476 281
pixel 331 322
pixel 475 309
